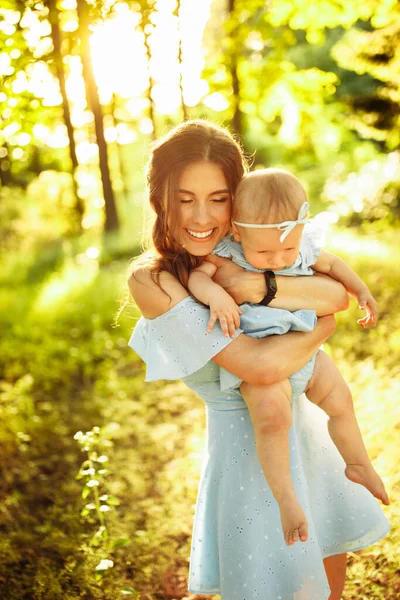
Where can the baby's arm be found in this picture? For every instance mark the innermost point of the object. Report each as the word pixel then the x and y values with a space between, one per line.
pixel 222 306
pixel 338 269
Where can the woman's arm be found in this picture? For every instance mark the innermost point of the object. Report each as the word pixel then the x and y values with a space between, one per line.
pixel 320 293
pixel 271 359
pixel 257 361
pixel 154 300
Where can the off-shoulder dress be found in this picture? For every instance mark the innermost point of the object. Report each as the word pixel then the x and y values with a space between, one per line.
pixel 238 549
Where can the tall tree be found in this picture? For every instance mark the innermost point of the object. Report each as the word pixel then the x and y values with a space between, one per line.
pixel 180 59
pixel 92 94
pixel 54 18
pixel 146 27
pixel 233 49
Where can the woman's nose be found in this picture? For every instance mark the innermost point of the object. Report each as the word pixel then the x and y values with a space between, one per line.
pixel 201 214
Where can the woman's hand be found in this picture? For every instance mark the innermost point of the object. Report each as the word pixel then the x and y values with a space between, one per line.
pixel 242 285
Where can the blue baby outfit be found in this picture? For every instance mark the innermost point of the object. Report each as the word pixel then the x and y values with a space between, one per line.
pixel 261 321
pixel 238 549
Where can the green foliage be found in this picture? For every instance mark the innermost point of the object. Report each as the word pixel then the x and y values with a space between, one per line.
pixel 95 475
pixel 371 194
pixel 21 108
pixel 293 103
pixel 74 372
pixel 315 17
pixel 376 54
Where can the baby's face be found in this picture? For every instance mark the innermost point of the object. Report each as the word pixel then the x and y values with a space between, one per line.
pixel 264 250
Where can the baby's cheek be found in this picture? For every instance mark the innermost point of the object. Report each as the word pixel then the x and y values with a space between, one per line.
pixel 256 262
pixel 249 257
pixel 293 257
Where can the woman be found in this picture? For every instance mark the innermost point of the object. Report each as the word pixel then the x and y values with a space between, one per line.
pixel 237 546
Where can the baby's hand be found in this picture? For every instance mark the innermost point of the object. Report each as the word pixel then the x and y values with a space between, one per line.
pixel 224 309
pixel 367 302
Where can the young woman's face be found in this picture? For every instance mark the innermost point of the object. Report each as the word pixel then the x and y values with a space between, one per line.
pixel 205 207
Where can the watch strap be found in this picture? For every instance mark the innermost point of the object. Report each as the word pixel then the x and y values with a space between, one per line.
pixel 272 288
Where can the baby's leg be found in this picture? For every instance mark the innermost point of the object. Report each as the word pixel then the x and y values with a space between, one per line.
pixel 269 408
pixel 330 392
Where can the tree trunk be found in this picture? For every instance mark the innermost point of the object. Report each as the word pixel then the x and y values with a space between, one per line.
pixel 92 95
pixel 79 208
pixel 120 155
pixel 237 120
pixel 183 105
pixel 145 21
pixel 5 166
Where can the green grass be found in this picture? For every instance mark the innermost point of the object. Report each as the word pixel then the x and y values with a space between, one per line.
pixel 67 368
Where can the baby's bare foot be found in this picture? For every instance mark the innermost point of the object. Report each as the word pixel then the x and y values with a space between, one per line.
pixel 369 478
pixel 294 522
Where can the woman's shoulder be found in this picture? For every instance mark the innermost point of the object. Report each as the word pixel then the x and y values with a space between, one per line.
pixel 155 294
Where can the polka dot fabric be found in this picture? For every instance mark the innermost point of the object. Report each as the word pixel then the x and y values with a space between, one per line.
pixel 238 549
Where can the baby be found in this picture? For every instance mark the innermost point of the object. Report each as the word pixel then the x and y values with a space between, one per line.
pixel 270 210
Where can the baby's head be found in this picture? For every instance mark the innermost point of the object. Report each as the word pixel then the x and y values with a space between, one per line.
pixel 268 196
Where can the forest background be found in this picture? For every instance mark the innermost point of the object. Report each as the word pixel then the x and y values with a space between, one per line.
pixel 99 471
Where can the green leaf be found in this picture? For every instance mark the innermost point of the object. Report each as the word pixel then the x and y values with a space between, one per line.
pixel 98 537
pixel 113 501
pixel 121 542
pixel 85 492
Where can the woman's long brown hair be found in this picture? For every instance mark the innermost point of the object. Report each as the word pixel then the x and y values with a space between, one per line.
pixel 190 142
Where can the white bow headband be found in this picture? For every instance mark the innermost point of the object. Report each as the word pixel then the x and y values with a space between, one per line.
pixel 285 226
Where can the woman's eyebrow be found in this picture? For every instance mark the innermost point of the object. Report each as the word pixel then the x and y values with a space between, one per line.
pixel 225 191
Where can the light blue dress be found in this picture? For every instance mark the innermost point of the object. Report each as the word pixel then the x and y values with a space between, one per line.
pixel 261 321
pixel 238 549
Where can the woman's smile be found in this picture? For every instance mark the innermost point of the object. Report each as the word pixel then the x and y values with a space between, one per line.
pixel 201 235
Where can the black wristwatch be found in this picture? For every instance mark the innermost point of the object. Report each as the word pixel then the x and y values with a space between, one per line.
pixel 272 288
